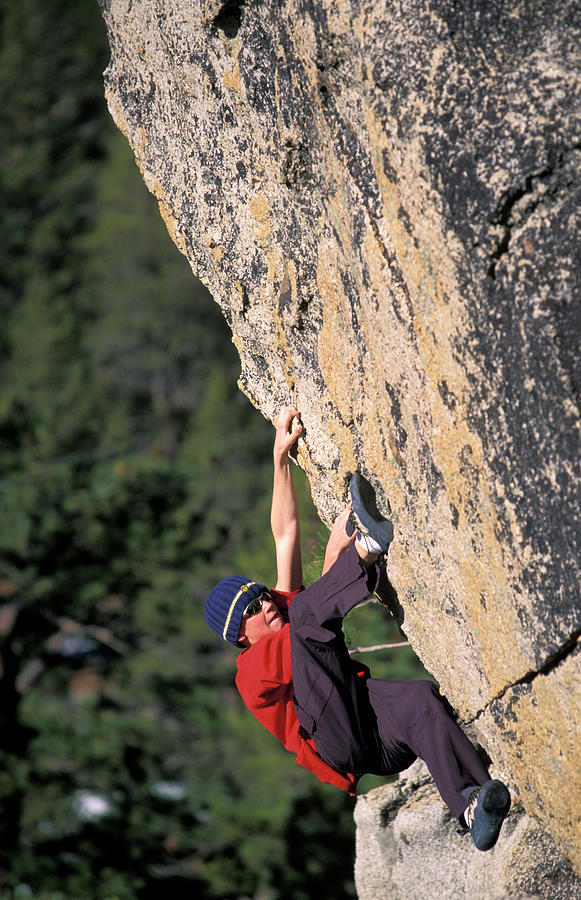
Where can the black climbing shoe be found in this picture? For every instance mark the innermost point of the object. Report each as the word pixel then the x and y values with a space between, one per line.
pixel 486 811
pixel 366 516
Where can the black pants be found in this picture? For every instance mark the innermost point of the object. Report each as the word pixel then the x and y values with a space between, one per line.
pixel 367 725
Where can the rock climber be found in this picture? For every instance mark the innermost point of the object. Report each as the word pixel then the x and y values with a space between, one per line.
pixel 296 676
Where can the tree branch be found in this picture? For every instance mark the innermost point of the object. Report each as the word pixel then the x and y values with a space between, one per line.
pixel 379 647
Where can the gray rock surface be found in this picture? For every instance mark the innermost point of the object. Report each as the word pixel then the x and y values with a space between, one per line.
pixel 383 197
pixel 409 847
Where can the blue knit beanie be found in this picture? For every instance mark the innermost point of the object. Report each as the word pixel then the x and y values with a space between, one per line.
pixel 226 603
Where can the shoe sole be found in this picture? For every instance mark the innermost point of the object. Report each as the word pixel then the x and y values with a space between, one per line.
pixel 370 520
pixel 494 800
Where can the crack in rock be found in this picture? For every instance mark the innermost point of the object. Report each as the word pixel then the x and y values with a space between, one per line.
pixel 512 212
pixel 548 666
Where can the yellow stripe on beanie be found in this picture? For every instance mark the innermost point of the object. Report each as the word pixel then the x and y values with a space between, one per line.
pixel 242 590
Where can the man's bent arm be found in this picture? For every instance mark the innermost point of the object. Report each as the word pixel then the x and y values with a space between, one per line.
pixel 285 515
pixel 338 541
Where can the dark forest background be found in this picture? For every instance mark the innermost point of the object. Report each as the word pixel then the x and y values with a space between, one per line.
pixel 133 475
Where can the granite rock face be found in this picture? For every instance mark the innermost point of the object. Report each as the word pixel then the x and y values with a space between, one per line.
pixel 383 197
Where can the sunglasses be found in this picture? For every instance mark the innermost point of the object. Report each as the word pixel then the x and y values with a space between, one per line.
pixel 255 605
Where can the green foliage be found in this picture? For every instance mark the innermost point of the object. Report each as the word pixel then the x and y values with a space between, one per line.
pixel 134 476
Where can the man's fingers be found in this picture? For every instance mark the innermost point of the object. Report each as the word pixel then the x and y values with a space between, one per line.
pixel 291 422
pixel 285 416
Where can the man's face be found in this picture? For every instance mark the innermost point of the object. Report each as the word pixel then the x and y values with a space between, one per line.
pixel 257 625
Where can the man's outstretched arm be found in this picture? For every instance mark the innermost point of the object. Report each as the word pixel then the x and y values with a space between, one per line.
pixel 284 515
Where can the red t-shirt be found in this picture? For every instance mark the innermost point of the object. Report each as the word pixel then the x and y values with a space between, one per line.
pixel 265 682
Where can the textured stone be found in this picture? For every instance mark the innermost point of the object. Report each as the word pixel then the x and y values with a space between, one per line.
pixel 409 847
pixel 384 200
pixel 537 733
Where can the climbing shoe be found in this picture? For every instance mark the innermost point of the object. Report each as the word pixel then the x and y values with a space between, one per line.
pixel 366 517
pixel 486 811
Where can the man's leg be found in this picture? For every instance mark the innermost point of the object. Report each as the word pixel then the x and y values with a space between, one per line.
pixel 412 713
pixel 330 698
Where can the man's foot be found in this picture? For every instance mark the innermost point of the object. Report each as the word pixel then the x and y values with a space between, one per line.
pixel 366 517
pixel 486 811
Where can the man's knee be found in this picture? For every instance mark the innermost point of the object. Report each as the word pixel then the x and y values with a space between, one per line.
pixel 309 619
pixel 424 703
pixel 425 695
pixel 299 609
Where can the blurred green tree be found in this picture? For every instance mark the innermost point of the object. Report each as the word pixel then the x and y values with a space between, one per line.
pixel 134 475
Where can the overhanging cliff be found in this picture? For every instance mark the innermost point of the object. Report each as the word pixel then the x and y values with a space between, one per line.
pixel 384 200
